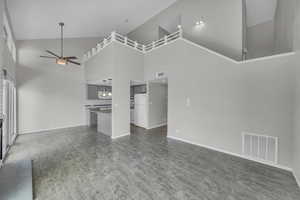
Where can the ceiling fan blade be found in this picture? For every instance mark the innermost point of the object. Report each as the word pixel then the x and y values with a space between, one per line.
pixel 71 57
pixel 76 63
pixel 48 57
pixel 50 52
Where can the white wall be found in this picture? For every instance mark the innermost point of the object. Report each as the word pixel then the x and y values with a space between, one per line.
pixel 50 96
pixel 1 32
pixel 6 60
pixel 260 40
pixel 273 36
pixel 222 33
pixel 296 131
pixel 128 65
pixel 158 102
pixel 226 98
pixel 9 63
pixel 100 67
pixel 296 135
pixel 1 51
pixel 284 26
pixel 260 11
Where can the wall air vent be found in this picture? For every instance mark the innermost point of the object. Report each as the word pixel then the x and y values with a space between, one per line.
pixel 260 147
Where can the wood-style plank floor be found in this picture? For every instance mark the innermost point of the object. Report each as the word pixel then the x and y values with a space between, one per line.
pixel 80 164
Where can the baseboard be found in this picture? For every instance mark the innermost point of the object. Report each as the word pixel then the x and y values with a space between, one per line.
pixel 232 154
pixel 14 139
pixel 296 178
pixel 117 137
pixel 156 126
pixel 52 129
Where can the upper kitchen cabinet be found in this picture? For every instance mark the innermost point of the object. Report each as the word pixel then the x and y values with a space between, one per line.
pixel 100 66
pixel 96 92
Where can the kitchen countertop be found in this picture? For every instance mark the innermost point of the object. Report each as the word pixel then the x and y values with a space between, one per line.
pixel 98 105
pixel 97 110
pixel 104 111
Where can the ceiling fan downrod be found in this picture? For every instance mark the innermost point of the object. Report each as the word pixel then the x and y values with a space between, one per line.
pixel 61 24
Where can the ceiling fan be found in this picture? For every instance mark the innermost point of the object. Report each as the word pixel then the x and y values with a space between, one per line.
pixel 61 60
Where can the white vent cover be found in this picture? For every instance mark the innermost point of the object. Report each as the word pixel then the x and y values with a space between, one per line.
pixel 260 147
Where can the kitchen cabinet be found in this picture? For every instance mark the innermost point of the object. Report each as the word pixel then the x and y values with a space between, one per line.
pixel 104 124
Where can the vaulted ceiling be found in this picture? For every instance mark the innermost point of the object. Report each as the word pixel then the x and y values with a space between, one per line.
pixel 38 19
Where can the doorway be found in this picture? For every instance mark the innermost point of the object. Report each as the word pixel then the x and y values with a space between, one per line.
pixel 138 104
pixel 149 104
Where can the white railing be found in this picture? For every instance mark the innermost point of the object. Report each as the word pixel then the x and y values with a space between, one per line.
pixel 165 40
pixel 132 44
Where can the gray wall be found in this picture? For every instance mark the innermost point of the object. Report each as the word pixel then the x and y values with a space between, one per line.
pixel 260 40
pixel 226 98
pixel 50 96
pixel 222 33
pixel 128 65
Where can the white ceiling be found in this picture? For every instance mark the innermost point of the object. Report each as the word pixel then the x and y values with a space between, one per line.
pixel 260 11
pixel 38 19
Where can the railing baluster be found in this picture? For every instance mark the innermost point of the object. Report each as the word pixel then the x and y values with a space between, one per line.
pixel 113 36
pixel 180 32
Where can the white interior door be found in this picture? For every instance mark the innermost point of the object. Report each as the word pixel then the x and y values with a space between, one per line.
pixel 13 114
pixel 6 117
pixel 9 112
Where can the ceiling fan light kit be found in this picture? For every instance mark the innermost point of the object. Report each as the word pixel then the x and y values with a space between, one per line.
pixel 61 60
